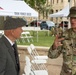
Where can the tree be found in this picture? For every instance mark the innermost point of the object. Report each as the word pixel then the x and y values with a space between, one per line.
pixel 30 3
pixel 40 6
pixel 36 4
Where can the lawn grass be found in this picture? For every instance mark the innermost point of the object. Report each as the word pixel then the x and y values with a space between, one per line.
pixel 44 39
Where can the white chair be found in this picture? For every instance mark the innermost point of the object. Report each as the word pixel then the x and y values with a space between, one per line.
pixel 36 55
pixel 37 62
pixel 29 69
pixel 27 36
pixel 38 58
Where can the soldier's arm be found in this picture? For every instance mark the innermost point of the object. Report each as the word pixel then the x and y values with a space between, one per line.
pixel 55 49
pixel 54 53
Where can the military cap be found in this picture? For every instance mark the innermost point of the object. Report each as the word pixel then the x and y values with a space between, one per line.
pixel 13 23
pixel 72 12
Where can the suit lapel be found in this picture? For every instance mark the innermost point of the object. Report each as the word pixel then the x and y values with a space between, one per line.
pixel 10 49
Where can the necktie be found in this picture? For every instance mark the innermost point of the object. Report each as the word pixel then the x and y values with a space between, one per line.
pixel 15 52
pixel 16 56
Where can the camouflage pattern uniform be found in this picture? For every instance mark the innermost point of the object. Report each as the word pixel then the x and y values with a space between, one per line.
pixel 56 30
pixel 68 49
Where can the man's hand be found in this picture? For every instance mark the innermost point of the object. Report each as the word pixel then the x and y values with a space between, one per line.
pixel 57 42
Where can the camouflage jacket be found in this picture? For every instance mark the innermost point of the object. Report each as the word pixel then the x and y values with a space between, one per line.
pixel 68 49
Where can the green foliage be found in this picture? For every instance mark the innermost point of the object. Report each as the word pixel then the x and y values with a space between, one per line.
pixel 40 2
pixel 30 3
pixel 43 39
pixel 35 3
pixel 41 6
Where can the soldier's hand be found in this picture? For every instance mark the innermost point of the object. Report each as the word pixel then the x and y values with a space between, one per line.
pixel 57 42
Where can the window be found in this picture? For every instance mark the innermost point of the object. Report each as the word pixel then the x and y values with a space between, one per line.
pixel 61 1
pixel 57 1
pixel 56 10
pixel 53 1
pixel 68 0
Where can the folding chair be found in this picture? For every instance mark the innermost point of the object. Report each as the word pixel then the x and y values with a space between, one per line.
pixel 36 62
pixel 27 36
pixel 29 69
pixel 36 55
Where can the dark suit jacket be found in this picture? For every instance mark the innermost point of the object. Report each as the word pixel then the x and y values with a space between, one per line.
pixel 8 64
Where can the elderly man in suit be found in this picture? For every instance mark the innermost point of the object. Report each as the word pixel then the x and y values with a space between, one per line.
pixel 9 60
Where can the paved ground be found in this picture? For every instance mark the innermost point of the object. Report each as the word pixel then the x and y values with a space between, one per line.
pixel 53 65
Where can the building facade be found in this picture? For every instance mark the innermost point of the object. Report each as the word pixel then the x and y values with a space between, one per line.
pixel 58 5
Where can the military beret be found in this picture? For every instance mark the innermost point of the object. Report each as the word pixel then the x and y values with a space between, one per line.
pixel 13 23
pixel 72 12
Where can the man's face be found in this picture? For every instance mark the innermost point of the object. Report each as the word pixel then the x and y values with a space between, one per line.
pixel 73 22
pixel 17 32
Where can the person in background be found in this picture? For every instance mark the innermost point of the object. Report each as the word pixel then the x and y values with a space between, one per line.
pixel 9 60
pixel 66 44
pixel 56 30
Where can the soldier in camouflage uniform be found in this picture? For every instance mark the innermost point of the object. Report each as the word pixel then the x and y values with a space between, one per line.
pixel 66 44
